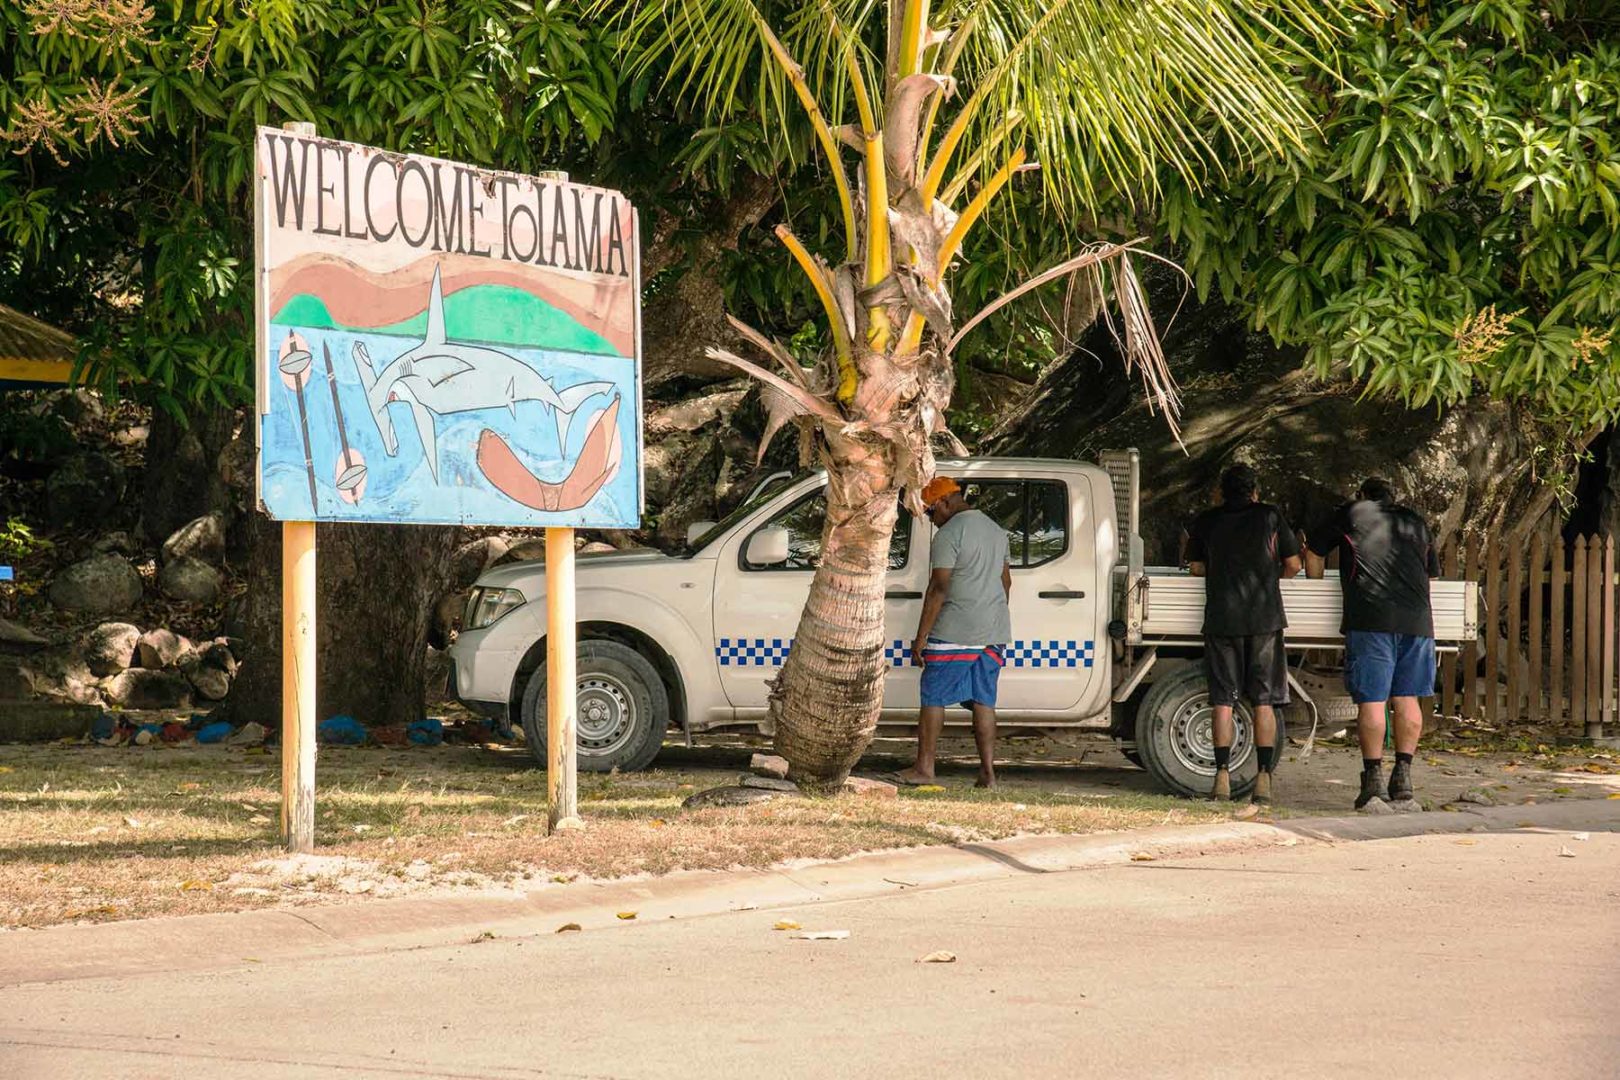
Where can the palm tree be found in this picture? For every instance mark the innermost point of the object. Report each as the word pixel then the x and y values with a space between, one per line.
pixel 937 106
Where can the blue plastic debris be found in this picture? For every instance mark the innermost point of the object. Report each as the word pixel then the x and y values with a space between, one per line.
pixel 103 726
pixel 429 732
pixel 216 732
pixel 341 730
pixel 155 729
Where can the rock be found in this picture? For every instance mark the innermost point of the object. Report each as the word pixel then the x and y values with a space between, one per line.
pixel 141 688
pixel 1477 796
pixel 210 682
pixel 101 583
pixel 1406 806
pixel 111 647
pixel 217 654
pixel 120 543
pixel 596 547
pixel 473 558
pixel 768 765
pixel 162 648
pixel 144 738
pixel 62 673
pixel 190 580
pixel 16 684
pixel 871 789
pixel 251 734
pixel 19 635
pixel 83 489
pixel 1377 807
pixel 202 538
pixel 769 783
pixel 732 796
pixel 1469 467
pixel 532 549
pixel 694 413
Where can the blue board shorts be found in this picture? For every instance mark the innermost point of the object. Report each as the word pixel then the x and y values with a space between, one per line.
pixel 1379 666
pixel 964 675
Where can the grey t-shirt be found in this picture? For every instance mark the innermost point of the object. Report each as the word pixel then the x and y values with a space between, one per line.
pixel 974 549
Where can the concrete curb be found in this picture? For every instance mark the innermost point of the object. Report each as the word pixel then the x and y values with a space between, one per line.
pixel 212 942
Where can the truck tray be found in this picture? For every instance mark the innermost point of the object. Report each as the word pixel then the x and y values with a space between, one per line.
pixel 1172 608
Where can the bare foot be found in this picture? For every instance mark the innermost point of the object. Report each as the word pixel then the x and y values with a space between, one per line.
pixel 985 782
pixel 914 776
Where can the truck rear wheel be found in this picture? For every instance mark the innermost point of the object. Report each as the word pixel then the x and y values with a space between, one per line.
pixel 623 709
pixel 1175 736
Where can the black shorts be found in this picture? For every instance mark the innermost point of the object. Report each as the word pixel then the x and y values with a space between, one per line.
pixel 1254 666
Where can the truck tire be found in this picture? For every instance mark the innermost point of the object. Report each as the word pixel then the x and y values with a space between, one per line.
pixel 623 709
pixel 1174 736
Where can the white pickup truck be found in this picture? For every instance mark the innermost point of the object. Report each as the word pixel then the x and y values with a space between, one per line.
pixel 690 639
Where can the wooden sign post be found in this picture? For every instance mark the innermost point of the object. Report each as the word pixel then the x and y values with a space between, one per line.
pixel 562 689
pixel 298 685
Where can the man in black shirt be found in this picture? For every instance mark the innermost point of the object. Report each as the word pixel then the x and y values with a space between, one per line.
pixel 1386 558
pixel 1242 548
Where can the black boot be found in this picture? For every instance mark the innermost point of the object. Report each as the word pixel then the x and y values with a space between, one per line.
pixel 1372 786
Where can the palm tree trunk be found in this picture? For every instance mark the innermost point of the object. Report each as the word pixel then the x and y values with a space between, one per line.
pixel 826 702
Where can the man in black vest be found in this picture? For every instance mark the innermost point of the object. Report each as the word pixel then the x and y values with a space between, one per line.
pixel 1243 548
pixel 1386 558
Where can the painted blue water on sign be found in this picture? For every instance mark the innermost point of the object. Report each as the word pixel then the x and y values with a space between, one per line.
pixel 402 486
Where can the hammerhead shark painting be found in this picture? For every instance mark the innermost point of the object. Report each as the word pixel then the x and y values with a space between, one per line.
pixel 441 376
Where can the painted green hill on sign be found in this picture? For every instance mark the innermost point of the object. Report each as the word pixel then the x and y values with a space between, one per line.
pixel 492 314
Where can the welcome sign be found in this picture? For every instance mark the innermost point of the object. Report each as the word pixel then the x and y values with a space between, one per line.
pixel 443 344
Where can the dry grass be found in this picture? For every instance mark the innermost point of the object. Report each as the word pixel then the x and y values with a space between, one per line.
pixel 97 834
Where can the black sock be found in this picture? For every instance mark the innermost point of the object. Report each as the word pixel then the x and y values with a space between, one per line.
pixel 1268 758
pixel 1371 765
pixel 1402 759
pixel 1223 757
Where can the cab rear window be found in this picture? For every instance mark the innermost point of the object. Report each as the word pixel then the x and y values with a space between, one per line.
pixel 1035 514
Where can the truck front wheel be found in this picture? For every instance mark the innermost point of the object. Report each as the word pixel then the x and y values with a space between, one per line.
pixel 622 708
pixel 1175 736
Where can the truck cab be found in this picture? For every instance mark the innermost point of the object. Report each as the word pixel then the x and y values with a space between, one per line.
pixel 692 638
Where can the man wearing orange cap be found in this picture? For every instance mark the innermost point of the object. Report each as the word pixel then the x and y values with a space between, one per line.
pixel 964 627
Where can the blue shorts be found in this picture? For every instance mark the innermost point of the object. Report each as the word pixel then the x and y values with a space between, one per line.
pixel 1379 666
pixel 964 675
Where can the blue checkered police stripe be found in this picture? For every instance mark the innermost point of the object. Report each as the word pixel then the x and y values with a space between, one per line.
pixel 1034 654
pixel 771 652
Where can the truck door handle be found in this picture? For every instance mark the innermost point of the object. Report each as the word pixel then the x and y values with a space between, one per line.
pixel 902 594
pixel 1061 594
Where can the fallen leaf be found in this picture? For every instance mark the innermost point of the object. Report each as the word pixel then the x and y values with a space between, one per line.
pixel 514 819
pixel 1562 790
pixel 1564 852
pixel 627 915
pixel 787 924
pixel 939 956
pixel 250 808
pixel 132 823
pixel 487 935
pixel 362 828
pixel 1582 836
pixel 821 935
pixel 258 819
pixel 928 787
pixel 567 927
pixel 658 823
pixel 1466 843
pixel 1613 795
pixel 1141 856
pixel 559 879
pixel 6 769
pixel 1524 825
pixel 196 886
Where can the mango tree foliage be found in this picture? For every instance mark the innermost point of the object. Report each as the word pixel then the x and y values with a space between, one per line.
pixel 1454 228
pixel 127 130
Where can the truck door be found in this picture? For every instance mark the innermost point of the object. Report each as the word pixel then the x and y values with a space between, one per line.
pixel 1051 538
pixel 757 608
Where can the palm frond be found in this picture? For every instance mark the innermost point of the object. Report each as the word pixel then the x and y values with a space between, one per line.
pixel 1115 91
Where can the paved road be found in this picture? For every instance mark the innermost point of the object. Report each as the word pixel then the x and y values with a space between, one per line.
pixel 1441 956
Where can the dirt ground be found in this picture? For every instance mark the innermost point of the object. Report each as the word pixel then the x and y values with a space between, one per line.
pixel 91 834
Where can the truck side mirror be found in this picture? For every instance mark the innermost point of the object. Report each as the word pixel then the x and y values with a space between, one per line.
pixel 767 547
pixel 698 530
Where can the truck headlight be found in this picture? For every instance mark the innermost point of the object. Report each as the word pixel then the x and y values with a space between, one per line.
pixel 486 606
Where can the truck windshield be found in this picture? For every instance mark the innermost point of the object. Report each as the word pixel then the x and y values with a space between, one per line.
pixel 764 495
